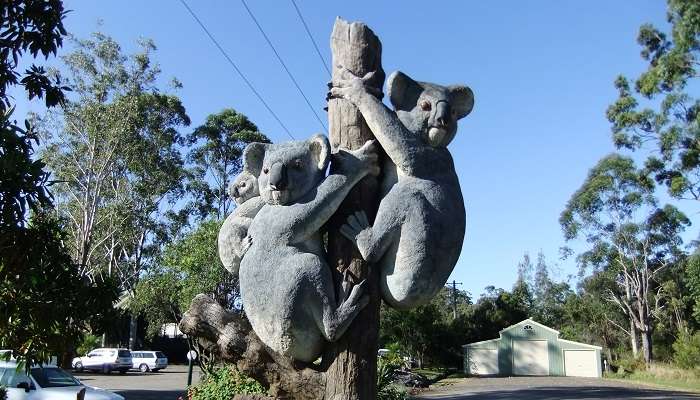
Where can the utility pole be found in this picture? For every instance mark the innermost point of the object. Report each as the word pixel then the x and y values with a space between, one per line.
pixel 351 362
pixel 454 298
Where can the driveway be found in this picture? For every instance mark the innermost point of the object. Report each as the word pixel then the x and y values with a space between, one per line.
pixel 549 388
pixel 166 384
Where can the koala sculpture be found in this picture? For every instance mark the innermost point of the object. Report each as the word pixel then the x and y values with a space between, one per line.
pixel 418 232
pixel 286 284
pixel 233 239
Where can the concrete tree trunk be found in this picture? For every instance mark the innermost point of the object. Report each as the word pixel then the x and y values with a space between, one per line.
pixel 351 362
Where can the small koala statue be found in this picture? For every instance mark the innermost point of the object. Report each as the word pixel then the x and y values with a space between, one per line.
pixel 286 285
pixel 233 239
pixel 419 228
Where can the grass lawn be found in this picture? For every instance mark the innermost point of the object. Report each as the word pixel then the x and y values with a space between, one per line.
pixel 664 375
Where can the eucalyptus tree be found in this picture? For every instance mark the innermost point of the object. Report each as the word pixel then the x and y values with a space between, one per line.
pixel 216 157
pixel 114 149
pixel 628 236
pixel 659 111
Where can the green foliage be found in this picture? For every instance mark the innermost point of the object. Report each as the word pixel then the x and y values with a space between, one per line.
pixel 45 305
pixel 223 384
pixel 386 390
pixel 630 364
pixel 629 238
pixel 3 393
pixel 44 302
pixel 687 351
pixel 673 128
pixel 34 26
pixel 115 148
pixel 88 343
pixel 216 157
pixel 693 281
pixel 187 267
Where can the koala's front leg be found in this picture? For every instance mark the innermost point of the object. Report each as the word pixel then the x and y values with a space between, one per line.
pixel 398 143
pixel 352 167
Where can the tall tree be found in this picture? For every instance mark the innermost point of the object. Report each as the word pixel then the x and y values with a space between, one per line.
pixel 615 212
pixel 116 153
pixel 216 159
pixel 43 302
pixel 670 126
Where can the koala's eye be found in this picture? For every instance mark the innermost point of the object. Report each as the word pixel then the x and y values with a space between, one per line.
pixel 242 184
pixel 298 163
pixel 425 105
pixel 266 170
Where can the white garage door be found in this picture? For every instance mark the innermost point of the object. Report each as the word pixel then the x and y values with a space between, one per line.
pixel 482 362
pixel 530 357
pixel 580 363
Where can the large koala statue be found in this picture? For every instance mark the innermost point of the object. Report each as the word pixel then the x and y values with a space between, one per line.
pixel 286 284
pixel 233 239
pixel 418 232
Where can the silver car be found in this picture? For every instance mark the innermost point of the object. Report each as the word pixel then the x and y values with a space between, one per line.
pixel 147 360
pixel 47 383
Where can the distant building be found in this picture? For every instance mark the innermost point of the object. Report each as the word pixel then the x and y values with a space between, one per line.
pixel 530 348
pixel 171 330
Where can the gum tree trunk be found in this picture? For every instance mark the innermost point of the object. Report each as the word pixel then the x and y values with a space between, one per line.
pixel 351 363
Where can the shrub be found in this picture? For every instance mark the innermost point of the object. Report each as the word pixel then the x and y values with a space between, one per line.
pixel 630 364
pixel 223 384
pixel 88 343
pixel 686 351
pixel 3 393
pixel 386 390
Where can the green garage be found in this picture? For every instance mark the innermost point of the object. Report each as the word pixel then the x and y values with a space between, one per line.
pixel 529 348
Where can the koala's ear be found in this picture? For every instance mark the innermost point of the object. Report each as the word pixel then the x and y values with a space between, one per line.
pixel 403 91
pixel 320 151
pixel 461 99
pixel 253 156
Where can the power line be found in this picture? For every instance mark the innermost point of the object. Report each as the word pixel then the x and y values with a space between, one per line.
pixel 279 58
pixel 308 32
pixel 233 64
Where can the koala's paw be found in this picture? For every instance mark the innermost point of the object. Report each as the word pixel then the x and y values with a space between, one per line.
pixel 351 87
pixel 245 244
pixel 358 230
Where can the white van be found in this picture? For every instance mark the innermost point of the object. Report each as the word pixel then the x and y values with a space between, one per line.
pixel 105 360
pixel 147 360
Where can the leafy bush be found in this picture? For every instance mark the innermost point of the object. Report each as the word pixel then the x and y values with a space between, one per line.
pixel 630 364
pixel 687 351
pixel 88 343
pixel 223 384
pixel 386 390
pixel 3 393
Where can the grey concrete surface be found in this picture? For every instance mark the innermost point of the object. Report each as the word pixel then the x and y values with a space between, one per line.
pixel 166 384
pixel 550 388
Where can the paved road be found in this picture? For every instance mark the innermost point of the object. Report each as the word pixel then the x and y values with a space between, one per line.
pixel 549 388
pixel 166 384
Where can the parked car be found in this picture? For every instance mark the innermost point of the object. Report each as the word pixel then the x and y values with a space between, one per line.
pixel 105 360
pixel 47 383
pixel 147 360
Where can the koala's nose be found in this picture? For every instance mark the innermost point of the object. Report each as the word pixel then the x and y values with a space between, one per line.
pixel 443 112
pixel 234 191
pixel 278 176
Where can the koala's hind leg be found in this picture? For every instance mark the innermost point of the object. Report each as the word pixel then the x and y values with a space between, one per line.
pixel 333 320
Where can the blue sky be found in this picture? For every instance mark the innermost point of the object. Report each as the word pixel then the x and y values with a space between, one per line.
pixel 541 71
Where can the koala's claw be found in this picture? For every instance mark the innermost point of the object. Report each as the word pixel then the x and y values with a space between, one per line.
pixel 245 244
